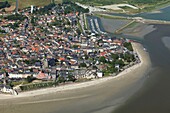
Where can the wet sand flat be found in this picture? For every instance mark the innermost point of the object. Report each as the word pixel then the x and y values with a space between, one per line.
pixel 111 25
pixel 154 96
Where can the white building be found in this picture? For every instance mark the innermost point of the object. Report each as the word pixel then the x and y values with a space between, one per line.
pixel 32 8
pixel 99 74
pixel 6 89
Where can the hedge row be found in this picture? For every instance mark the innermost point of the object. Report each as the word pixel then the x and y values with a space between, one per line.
pixel 36 86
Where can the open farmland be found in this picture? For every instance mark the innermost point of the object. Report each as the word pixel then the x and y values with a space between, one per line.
pixel 27 3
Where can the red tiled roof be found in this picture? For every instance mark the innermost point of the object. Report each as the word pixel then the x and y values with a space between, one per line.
pixel 103 53
pixel 41 75
pixel 61 59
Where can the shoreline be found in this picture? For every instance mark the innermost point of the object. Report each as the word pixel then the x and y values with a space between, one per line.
pixel 99 96
pixel 79 85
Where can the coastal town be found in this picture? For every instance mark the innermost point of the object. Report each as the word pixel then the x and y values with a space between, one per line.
pixel 56 44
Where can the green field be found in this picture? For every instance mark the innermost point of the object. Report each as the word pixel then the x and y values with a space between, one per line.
pixel 144 5
pixel 27 3
pixel 108 2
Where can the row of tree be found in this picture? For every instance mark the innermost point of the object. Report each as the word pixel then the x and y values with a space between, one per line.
pixel 45 9
pixel 72 7
pixel 16 17
pixel 4 4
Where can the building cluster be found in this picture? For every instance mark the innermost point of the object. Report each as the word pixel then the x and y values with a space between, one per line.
pixel 43 43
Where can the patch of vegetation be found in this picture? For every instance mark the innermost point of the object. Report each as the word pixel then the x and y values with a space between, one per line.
pixel 13 26
pixel 75 46
pixel 30 62
pixel 80 30
pixel 1 35
pixel 16 17
pixel 45 9
pixel 28 3
pixel 4 4
pixel 29 79
pixel 129 57
pixel 2 31
pixel 72 7
pixel 83 65
pixel 128 45
pixel 34 86
pixel 15 83
pixel 68 78
pixel 102 59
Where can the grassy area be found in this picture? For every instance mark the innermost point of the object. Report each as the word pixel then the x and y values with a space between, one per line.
pixel 87 23
pixel 80 27
pixel 109 16
pixel 1 35
pixel 34 86
pixel 143 5
pixel 150 7
pixel 85 27
pixel 27 3
pixel 130 10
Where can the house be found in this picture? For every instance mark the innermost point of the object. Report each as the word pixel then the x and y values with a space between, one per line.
pixel 117 66
pixel 15 75
pixel 90 74
pixel 99 74
pixel 6 89
pixel 103 53
pixel 42 75
pixel 74 66
pixel 1 76
pixel 52 62
pixel 118 42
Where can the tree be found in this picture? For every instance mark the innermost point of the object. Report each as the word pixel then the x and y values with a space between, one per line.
pixel 61 79
pixel 4 4
pixel 75 46
pixel 83 65
pixel 128 45
pixel 102 59
pixel 129 57
pixel 3 10
pixel 112 69
pixel 120 62
pixel 86 56
pixel 29 79
pixel 78 31
pixel 16 17
pixel 71 78
pixel 114 56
